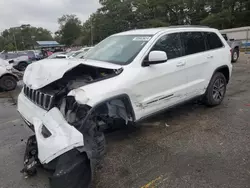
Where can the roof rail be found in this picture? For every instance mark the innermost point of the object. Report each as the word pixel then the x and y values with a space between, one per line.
pixel 180 26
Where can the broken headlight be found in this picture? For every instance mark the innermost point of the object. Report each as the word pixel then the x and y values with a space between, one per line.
pixel 73 112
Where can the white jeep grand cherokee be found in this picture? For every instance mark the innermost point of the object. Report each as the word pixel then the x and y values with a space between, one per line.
pixel 126 77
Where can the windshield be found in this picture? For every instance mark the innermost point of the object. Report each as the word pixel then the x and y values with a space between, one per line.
pixel 83 53
pixel 70 53
pixel 120 49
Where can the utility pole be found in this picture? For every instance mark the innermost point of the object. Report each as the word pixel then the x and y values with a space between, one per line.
pixel 14 37
pixel 15 41
pixel 91 32
pixel 23 43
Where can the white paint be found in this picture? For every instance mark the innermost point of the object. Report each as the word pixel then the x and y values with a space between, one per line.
pixel 150 88
pixel 157 56
pixel 6 68
pixel 64 136
pixel 41 73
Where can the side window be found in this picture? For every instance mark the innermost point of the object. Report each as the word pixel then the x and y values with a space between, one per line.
pixel 193 42
pixel 213 41
pixel 170 44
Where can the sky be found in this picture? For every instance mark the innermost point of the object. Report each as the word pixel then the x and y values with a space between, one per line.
pixel 43 13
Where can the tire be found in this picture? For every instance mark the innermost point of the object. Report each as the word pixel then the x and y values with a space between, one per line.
pixel 8 83
pixel 94 141
pixel 73 170
pixel 22 66
pixel 216 90
pixel 235 55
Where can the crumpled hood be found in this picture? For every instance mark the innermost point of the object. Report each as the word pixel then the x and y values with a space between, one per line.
pixel 44 72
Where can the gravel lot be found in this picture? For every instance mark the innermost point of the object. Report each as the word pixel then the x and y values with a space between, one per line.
pixel 188 146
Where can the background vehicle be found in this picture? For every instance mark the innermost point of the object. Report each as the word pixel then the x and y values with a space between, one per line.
pixel 126 78
pixel 20 60
pixel 8 76
pixel 83 53
pixel 54 55
pixel 34 55
pixel 73 54
pixel 235 47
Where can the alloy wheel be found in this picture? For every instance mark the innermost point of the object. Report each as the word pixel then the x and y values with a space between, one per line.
pixel 218 89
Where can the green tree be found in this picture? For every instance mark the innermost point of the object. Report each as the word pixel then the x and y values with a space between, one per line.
pixel 121 15
pixel 70 29
pixel 23 37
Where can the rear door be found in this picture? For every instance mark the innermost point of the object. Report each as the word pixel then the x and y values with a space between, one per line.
pixel 197 62
pixel 218 53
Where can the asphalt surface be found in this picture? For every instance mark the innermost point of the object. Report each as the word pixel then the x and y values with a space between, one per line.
pixel 188 146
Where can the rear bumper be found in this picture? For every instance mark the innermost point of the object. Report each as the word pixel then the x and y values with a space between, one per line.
pixel 63 138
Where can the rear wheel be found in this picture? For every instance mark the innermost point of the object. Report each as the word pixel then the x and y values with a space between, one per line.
pixel 216 90
pixel 235 55
pixel 8 82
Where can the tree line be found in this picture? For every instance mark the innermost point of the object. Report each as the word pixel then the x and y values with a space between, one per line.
pixel 22 37
pixel 120 15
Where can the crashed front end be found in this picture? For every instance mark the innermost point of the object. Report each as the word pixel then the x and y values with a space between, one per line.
pixel 60 122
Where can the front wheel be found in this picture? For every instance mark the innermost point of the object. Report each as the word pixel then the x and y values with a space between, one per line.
pixel 8 82
pixel 216 90
pixel 73 170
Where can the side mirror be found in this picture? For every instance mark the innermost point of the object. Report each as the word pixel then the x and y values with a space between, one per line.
pixel 11 61
pixel 231 39
pixel 155 57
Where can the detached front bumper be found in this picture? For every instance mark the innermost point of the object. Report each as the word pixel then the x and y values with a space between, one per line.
pixel 62 138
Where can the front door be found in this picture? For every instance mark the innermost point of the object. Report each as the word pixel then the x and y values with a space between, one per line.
pixel 162 85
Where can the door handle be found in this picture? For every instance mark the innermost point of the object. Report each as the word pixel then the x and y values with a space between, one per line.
pixel 210 57
pixel 181 64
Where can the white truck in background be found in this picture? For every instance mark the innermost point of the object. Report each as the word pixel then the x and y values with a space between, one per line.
pixel 235 47
pixel 237 38
pixel 19 60
pixel 8 76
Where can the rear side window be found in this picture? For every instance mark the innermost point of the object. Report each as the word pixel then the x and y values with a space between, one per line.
pixel 193 42
pixel 170 44
pixel 213 41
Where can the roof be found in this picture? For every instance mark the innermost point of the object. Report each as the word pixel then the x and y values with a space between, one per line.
pixel 153 31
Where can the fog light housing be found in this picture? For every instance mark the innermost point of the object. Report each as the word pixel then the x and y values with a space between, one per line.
pixel 45 132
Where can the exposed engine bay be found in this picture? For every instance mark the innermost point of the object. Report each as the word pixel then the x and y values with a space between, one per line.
pixel 80 75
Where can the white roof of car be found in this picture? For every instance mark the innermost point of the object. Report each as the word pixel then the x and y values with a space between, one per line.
pixel 153 31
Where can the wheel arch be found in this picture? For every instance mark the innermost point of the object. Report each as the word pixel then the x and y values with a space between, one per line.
pixel 123 97
pixel 23 62
pixel 224 70
pixel 237 47
pixel 9 74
